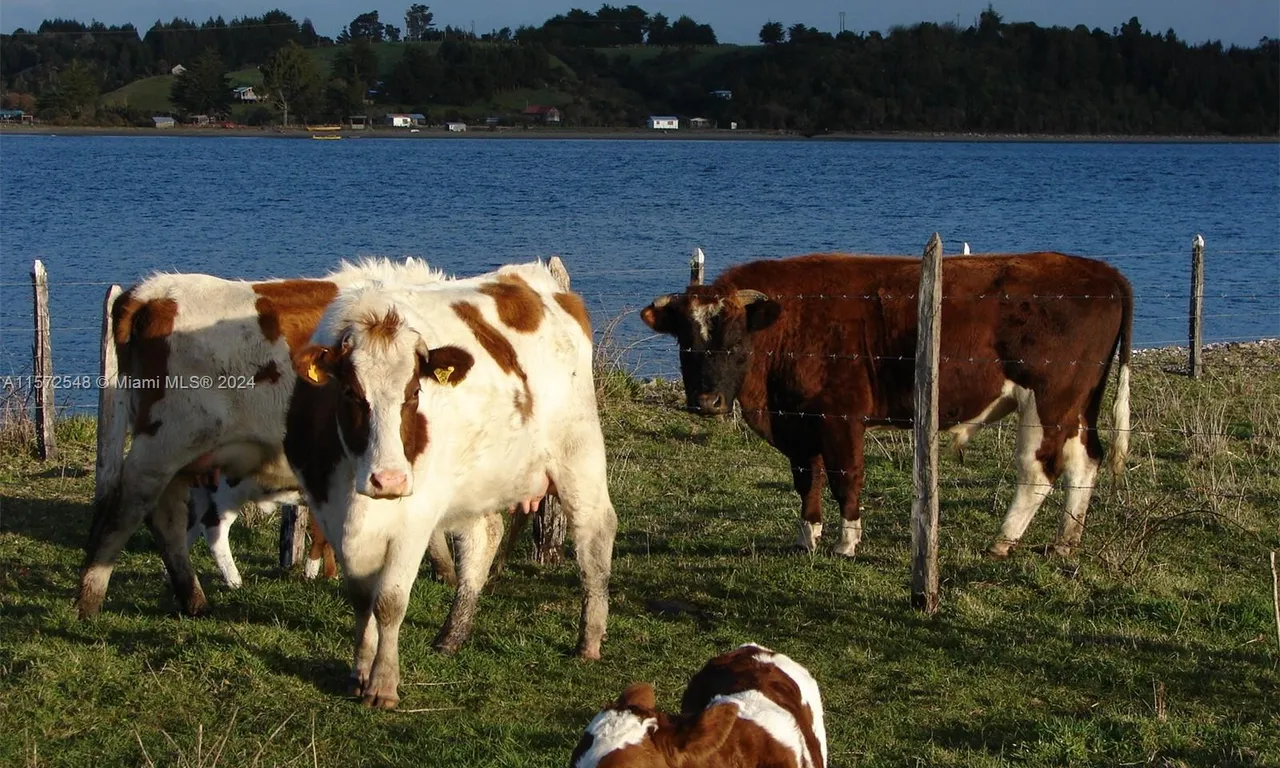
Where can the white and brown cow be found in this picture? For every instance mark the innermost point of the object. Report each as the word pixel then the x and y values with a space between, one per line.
pixel 817 349
pixel 208 379
pixel 427 407
pixel 749 708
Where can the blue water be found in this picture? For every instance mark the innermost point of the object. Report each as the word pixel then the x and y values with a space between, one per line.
pixel 624 215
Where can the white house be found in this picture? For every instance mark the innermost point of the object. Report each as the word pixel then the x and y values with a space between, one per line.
pixel 664 123
pixel 244 93
pixel 177 69
pixel 456 127
pixel 404 120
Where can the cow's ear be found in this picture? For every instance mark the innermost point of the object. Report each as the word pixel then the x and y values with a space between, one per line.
pixel 639 696
pixel 447 365
pixel 709 733
pixel 661 314
pixel 314 364
pixel 762 311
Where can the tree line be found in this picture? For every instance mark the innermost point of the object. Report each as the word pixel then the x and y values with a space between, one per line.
pixel 625 63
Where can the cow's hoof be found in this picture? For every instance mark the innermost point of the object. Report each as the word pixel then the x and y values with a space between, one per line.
pixel 87 608
pixel 356 683
pixel 196 605
pixel 1000 549
pixel 850 551
pixel 380 699
pixel 1060 549
pixel 449 645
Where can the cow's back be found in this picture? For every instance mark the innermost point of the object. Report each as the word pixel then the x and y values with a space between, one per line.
pixel 848 327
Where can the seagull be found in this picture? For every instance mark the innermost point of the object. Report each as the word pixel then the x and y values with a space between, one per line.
pixel 966 249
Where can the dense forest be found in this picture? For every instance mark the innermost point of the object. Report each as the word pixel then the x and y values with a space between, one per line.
pixel 618 65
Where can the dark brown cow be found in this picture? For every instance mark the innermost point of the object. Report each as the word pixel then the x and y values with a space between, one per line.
pixel 818 348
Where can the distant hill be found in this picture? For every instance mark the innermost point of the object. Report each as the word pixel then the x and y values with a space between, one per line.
pixel 151 94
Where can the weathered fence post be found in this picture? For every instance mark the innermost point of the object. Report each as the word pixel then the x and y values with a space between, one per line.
pixel 293 534
pixel 549 528
pixel 42 364
pixel 109 462
pixel 697 264
pixel 1195 365
pixel 924 511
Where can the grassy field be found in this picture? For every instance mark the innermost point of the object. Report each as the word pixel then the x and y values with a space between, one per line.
pixel 1155 646
pixel 152 93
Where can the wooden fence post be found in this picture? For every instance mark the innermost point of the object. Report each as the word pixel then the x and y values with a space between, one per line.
pixel 110 460
pixel 1195 365
pixel 697 265
pixel 293 534
pixel 924 511
pixel 42 364
pixel 549 527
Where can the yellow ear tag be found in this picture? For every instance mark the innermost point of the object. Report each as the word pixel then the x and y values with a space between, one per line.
pixel 313 372
pixel 443 374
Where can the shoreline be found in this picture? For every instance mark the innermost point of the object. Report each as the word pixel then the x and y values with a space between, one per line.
pixel 628 134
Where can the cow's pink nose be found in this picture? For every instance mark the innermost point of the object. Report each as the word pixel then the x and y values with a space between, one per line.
pixel 389 483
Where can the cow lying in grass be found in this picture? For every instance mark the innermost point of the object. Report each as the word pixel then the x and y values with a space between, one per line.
pixel 433 406
pixel 207 363
pixel 749 708
pixel 817 349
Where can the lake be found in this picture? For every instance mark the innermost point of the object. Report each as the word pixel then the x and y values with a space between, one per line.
pixel 624 215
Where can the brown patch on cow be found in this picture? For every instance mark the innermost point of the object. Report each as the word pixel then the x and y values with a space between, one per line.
pixel 292 308
pixel 316 414
pixel 498 347
pixel 268 373
pixel 381 330
pixel 572 304
pixel 413 425
pixel 141 331
pixel 519 306
pixel 739 671
pixel 447 365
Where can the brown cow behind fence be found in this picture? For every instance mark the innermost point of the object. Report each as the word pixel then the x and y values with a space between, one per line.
pixel 819 348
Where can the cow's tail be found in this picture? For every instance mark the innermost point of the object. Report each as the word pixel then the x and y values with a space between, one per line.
pixel 116 403
pixel 1120 412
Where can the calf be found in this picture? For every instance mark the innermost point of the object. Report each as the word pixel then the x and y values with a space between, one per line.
pixel 205 364
pixel 430 407
pixel 819 348
pixel 749 708
pixel 215 507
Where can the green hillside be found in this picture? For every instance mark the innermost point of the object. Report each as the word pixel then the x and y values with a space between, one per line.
pixel 151 94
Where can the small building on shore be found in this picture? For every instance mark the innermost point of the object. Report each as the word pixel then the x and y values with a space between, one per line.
pixel 456 127
pixel 699 122
pixel 162 121
pixel 663 123
pixel 539 113
pixel 405 119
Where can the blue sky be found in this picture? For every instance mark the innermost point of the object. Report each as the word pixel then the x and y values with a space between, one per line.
pixel 736 21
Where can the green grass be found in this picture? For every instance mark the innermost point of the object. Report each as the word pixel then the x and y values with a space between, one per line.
pixel 151 94
pixel 1155 646
pixel 702 53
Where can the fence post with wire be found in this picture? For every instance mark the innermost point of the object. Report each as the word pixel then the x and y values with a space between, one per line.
pixel 924 509
pixel 42 364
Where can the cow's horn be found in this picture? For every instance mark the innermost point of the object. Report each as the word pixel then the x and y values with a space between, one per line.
pixel 748 296
pixel 664 300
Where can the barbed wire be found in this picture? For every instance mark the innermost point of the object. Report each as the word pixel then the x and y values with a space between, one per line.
pixel 1232 430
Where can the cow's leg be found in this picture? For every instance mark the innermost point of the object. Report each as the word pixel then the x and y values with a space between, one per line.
pixel 1034 483
pixel 404 557
pixel 168 523
pixel 441 559
pixel 116 516
pixel 360 593
pixel 217 532
pixel 1081 456
pixel 581 483
pixel 807 475
pixel 842 452
pixel 475 547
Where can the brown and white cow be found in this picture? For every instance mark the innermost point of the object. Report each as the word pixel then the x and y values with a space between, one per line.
pixel 431 406
pixel 749 708
pixel 208 378
pixel 819 348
